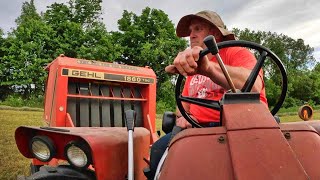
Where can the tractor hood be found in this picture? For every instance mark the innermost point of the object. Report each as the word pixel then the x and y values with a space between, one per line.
pixel 250 145
pixel 108 146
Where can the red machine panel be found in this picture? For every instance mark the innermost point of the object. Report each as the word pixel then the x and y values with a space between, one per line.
pixel 85 93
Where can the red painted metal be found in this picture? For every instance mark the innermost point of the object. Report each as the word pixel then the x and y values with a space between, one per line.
pixel 198 154
pixel 57 87
pixel 304 141
pixel 57 94
pixel 69 122
pixel 108 146
pixel 250 145
pixel 252 132
pixel 263 154
pixel 247 116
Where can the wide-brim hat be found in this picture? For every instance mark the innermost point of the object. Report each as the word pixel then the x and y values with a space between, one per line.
pixel 209 16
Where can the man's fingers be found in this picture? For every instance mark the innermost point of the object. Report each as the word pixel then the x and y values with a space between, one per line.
pixel 181 122
pixel 195 52
pixel 171 69
pixel 185 62
pixel 178 63
pixel 191 61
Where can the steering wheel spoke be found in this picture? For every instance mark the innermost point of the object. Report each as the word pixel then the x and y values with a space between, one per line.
pixel 254 73
pixel 202 102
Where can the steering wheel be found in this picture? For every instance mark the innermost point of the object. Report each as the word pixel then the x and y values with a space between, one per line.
pixel 213 48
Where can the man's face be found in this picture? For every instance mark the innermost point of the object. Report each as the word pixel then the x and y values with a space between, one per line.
pixel 200 29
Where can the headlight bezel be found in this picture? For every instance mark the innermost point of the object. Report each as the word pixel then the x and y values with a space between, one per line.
pixel 47 142
pixel 82 146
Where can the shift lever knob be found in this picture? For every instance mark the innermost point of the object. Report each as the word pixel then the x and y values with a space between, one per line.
pixel 211 44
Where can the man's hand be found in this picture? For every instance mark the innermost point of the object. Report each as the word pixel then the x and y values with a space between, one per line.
pixel 186 63
pixel 183 123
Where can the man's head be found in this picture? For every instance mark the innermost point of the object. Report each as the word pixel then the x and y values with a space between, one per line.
pixel 202 24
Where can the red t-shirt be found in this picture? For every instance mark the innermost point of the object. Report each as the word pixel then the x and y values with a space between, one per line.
pixel 200 86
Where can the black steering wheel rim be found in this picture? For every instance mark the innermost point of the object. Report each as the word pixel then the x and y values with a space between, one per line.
pixel 216 104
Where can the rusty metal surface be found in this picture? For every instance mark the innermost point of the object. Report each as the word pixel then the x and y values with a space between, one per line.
pixel 263 154
pixel 306 146
pixel 258 148
pixel 298 126
pixel 198 156
pixel 251 145
pixel 247 116
pixel 313 125
pixel 198 132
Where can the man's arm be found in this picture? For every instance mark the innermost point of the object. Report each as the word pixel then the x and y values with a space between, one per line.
pixel 239 75
pixel 186 63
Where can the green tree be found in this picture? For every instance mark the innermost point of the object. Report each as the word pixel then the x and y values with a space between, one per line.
pixel 315 78
pixel 166 102
pixel 148 40
pixel 74 30
pixel 2 40
pixel 25 52
pixel 85 12
pixel 68 35
pixel 56 14
pixel 28 11
pixel 79 32
pixel 294 53
pixel 297 58
pixel 4 89
pixel 98 44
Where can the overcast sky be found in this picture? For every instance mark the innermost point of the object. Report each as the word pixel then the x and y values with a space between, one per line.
pixel 295 18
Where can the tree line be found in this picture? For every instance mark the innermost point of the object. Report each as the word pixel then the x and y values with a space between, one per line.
pixel 76 29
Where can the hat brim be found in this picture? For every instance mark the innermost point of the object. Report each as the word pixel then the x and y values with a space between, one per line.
pixel 183 30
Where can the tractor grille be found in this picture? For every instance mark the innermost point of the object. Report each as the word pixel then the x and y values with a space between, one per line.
pixel 103 105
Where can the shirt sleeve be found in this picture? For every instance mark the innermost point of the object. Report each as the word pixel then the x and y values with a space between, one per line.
pixel 242 57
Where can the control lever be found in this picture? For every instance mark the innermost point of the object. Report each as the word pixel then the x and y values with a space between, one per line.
pixel 212 47
pixel 130 118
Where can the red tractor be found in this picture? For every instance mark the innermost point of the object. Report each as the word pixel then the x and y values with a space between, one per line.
pixel 85 127
pixel 250 142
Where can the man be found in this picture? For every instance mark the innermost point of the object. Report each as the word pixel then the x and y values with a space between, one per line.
pixel 205 78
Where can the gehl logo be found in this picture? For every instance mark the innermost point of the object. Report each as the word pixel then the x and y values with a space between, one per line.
pixel 86 74
pixel 104 76
pixel 83 74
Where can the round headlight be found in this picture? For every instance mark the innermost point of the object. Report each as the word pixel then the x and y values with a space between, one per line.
pixel 78 154
pixel 42 148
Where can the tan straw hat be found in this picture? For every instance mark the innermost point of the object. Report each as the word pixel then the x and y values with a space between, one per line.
pixel 210 17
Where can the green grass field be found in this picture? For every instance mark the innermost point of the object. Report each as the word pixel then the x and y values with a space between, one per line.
pixel 12 163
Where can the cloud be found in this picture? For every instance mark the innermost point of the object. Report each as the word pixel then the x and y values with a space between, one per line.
pixel 9 11
pixel 295 18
